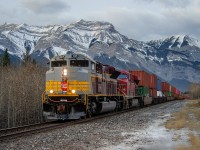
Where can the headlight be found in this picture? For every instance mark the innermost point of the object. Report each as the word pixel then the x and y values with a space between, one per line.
pixel 51 91
pixel 73 91
pixel 65 72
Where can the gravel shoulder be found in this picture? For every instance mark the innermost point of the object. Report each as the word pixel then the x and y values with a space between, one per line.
pixel 140 129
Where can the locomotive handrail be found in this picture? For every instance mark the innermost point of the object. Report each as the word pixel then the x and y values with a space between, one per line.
pixel 43 96
pixel 122 91
pixel 85 99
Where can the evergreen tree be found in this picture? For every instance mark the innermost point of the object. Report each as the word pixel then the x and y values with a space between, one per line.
pixel 5 58
pixel 1 61
pixel 34 62
pixel 27 57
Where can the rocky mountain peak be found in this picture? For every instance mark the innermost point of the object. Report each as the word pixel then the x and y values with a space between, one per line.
pixel 93 25
pixel 177 41
pixel 172 58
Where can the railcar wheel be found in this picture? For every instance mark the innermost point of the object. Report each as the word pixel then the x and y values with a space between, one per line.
pixel 141 102
pixel 84 117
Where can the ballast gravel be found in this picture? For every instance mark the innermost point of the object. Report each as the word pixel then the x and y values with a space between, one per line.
pixel 139 129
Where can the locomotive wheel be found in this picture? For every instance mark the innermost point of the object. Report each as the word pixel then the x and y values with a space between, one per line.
pixel 115 110
pixel 89 114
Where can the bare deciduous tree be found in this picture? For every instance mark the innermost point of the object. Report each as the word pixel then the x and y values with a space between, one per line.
pixel 20 95
pixel 194 90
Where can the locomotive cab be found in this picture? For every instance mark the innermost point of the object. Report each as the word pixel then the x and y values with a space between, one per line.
pixel 126 84
pixel 67 84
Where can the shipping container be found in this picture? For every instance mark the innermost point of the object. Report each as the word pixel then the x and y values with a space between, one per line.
pixel 153 81
pixel 160 94
pixel 153 92
pixel 143 77
pixel 158 85
pixel 178 92
pixel 142 91
pixel 169 94
pixel 173 89
pixel 165 86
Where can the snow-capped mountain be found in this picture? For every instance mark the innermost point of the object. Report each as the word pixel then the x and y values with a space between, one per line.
pixel 175 59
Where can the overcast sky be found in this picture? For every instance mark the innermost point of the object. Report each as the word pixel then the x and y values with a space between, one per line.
pixel 137 19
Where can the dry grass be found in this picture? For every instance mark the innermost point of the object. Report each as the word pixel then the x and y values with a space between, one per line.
pixel 195 143
pixel 188 117
pixel 177 121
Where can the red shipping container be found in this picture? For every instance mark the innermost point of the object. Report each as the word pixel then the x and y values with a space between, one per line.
pixel 153 81
pixel 178 92
pixel 143 77
pixel 153 92
pixel 173 90
pixel 165 87
pixel 165 93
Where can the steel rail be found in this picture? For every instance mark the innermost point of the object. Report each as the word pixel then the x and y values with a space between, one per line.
pixel 52 126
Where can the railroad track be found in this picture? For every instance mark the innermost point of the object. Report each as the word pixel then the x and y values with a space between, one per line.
pixel 13 133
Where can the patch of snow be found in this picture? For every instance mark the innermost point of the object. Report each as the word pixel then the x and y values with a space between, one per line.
pixel 180 39
pixel 171 58
pixel 46 55
pixel 155 137
pixel 1 47
pixel 122 59
pixel 87 56
pixel 59 50
pixel 197 43
pixel 5 32
pixel 141 55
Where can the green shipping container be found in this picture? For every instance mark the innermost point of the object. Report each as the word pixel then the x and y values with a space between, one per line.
pixel 169 94
pixel 143 91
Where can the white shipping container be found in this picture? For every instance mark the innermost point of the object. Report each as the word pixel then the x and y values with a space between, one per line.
pixel 160 94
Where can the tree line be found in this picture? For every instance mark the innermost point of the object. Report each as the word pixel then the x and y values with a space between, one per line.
pixel 194 90
pixel 21 89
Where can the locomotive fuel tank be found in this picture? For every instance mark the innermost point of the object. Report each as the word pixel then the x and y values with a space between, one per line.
pixel 107 106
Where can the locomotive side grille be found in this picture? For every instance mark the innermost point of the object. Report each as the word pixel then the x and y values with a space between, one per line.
pixel 79 86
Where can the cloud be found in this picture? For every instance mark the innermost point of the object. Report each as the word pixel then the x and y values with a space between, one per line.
pixel 145 23
pixel 167 3
pixel 45 6
pixel 34 12
pixel 137 19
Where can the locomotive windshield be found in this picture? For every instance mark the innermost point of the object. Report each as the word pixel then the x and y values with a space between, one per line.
pixel 58 63
pixel 123 76
pixel 79 63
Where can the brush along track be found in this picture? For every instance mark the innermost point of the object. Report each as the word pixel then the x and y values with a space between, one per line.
pixel 13 133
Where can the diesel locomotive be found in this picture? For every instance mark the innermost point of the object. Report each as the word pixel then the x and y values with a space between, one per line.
pixel 78 86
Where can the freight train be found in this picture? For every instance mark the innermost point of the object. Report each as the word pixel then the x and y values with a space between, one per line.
pixel 78 87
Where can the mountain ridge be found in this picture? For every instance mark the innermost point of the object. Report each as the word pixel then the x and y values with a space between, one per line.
pixel 174 58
